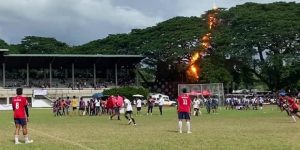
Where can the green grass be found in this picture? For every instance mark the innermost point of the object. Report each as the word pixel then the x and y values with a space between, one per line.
pixel 262 129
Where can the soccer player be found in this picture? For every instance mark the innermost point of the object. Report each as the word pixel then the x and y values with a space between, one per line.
pixel 128 113
pixel 116 108
pixel 138 106
pixel 294 109
pixel 196 106
pixel 184 110
pixel 21 115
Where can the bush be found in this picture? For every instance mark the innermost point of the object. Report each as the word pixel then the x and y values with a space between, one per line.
pixel 127 91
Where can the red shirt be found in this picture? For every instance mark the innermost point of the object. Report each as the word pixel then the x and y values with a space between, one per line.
pixel 292 103
pixel 184 103
pixel 18 104
pixel 110 102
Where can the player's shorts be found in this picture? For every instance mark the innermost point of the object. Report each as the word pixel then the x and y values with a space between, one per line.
pixel 294 111
pixel 184 115
pixel 128 112
pixel 139 108
pixel 117 110
pixel 74 108
pixel 196 109
pixel 20 121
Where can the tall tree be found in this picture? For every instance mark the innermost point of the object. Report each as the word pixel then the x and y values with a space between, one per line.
pixel 263 40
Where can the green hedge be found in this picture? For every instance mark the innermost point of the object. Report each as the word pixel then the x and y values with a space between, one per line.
pixel 127 91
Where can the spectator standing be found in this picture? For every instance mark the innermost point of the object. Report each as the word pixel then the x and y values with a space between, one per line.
pixel 138 106
pixel 74 105
pixel 98 106
pixel 81 107
pixel 150 104
pixel 68 105
pixel 160 103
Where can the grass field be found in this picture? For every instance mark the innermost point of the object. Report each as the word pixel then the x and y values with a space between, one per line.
pixel 262 129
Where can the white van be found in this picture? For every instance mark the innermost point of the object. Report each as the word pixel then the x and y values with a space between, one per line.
pixel 167 101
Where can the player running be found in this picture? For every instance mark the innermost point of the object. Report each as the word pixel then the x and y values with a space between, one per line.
pixel 128 113
pixel 294 109
pixel 184 109
pixel 21 115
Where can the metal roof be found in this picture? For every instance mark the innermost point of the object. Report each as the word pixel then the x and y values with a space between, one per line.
pixel 18 61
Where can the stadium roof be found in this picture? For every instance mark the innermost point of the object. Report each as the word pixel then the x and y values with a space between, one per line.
pixel 65 60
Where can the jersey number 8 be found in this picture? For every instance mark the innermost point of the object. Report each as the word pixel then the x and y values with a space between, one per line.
pixel 17 105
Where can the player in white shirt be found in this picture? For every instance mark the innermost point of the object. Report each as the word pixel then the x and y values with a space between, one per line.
pixel 196 106
pixel 138 106
pixel 128 113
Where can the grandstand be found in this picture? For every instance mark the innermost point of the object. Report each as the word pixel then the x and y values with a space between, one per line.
pixel 68 75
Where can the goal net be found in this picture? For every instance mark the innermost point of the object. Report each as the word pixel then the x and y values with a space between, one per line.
pixel 215 89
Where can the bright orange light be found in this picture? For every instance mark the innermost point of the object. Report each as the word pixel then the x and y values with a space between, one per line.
pixel 194 69
pixel 195 57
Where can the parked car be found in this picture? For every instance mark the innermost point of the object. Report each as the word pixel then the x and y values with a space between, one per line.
pixel 167 101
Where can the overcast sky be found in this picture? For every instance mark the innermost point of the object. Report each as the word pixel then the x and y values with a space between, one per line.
pixel 80 21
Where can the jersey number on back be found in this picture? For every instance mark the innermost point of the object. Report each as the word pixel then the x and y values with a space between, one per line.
pixel 184 101
pixel 17 105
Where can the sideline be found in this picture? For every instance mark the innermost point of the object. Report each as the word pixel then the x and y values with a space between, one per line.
pixel 58 138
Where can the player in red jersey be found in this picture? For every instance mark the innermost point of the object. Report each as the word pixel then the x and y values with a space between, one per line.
pixel 293 106
pixel 184 110
pixel 21 115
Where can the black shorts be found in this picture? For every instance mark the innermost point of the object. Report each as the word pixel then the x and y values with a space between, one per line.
pixel 294 111
pixel 117 110
pixel 128 112
pixel 196 109
pixel 74 108
pixel 20 121
pixel 184 115
pixel 139 108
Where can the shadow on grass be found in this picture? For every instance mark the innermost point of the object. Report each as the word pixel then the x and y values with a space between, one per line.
pixel 172 131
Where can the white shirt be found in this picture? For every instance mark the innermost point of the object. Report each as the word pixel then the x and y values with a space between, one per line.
pixel 161 101
pixel 196 103
pixel 97 103
pixel 128 106
pixel 139 103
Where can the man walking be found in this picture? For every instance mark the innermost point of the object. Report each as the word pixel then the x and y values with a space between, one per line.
pixel 160 103
pixel 21 115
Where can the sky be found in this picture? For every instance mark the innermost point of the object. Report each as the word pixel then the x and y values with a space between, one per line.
pixel 77 22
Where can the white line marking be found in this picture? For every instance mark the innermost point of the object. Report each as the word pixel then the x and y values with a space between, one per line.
pixel 60 139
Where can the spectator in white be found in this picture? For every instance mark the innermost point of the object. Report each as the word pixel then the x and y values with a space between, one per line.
pixel 138 106
pixel 98 108
pixel 196 106
pixel 261 101
pixel 160 103
pixel 128 113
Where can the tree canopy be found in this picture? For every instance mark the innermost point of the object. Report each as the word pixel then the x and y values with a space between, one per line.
pixel 262 40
